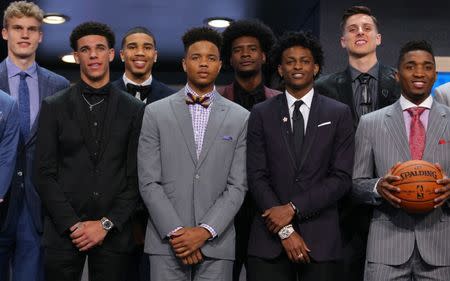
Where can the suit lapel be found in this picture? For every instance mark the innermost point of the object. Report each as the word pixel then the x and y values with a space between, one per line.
pixel 110 113
pixel 346 93
pixel 4 83
pixel 386 85
pixel 437 124
pixel 395 124
pixel 184 120
pixel 216 117
pixel 311 128
pixel 286 129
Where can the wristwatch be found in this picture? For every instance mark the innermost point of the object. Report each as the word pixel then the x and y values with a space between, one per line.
pixel 106 224
pixel 286 231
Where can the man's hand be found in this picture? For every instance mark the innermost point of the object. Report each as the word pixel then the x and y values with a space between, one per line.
pixel 296 248
pixel 278 217
pixel 188 239
pixel 444 190
pixel 87 234
pixel 194 258
pixel 387 190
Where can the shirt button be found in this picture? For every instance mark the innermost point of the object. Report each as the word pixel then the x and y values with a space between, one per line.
pixel 197 176
pixel 95 124
pixel 19 173
pixel 95 193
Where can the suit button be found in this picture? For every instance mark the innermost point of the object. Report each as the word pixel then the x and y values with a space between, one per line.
pixel 95 124
pixel 297 180
pixel 19 173
pixel 197 176
pixel 95 193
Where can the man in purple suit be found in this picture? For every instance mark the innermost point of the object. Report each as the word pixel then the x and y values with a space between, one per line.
pixel 300 149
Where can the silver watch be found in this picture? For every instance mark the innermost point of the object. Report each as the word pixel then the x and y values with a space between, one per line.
pixel 106 224
pixel 286 231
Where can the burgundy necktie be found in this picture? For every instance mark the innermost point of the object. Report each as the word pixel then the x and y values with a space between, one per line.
pixel 416 133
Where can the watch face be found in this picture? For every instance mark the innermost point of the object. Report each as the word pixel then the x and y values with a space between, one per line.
pixel 107 224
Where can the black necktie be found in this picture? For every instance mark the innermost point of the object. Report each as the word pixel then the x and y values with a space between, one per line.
pixel 144 91
pixel 299 130
pixel 363 94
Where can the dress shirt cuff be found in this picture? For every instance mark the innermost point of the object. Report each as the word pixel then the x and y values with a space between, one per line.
pixel 375 188
pixel 173 231
pixel 210 230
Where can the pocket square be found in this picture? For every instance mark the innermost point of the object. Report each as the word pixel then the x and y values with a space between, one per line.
pixel 227 138
pixel 442 141
pixel 324 124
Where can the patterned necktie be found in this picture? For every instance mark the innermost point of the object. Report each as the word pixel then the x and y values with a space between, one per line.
pixel 299 130
pixel 24 105
pixel 144 91
pixel 417 133
pixel 201 100
pixel 365 99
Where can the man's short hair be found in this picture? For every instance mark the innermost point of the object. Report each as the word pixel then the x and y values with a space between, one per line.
pixel 137 29
pixel 303 39
pixel 252 28
pixel 201 34
pixel 355 10
pixel 20 9
pixel 92 28
pixel 417 45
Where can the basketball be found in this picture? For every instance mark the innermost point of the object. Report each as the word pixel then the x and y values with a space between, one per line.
pixel 417 185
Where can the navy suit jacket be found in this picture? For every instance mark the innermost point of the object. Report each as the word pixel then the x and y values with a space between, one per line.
pixel 315 186
pixel 22 187
pixel 158 90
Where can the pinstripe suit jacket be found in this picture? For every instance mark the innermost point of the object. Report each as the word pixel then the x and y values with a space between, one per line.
pixel 381 142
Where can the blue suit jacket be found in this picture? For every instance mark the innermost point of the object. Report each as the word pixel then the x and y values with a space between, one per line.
pixel 22 187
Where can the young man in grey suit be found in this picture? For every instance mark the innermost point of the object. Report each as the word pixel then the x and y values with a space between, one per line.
pixel 27 82
pixel 405 246
pixel 191 166
pixel 442 94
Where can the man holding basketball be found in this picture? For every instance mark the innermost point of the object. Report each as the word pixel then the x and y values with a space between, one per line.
pixel 404 246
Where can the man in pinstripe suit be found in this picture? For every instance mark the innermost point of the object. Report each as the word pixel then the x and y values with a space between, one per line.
pixel 403 246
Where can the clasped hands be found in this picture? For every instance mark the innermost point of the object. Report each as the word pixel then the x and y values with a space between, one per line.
pixel 186 243
pixel 295 247
pixel 87 234
pixel 386 190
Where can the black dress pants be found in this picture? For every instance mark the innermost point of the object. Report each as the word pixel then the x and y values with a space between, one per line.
pixel 103 264
pixel 282 269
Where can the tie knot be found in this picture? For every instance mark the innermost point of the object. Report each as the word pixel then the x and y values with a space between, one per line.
pixel 23 75
pixel 201 100
pixel 364 78
pixel 297 104
pixel 415 111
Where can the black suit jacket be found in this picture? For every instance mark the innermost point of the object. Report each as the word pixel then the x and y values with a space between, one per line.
pixel 323 177
pixel 339 87
pixel 72 184
pixel 158 90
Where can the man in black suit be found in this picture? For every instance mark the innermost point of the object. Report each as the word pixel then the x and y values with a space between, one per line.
pixel 300 150
pixel 86 169
pixel 139 54
pixel 365 85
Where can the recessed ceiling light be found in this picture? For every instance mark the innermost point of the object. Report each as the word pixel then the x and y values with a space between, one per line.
pixel 218 22
pixel 55 18
pixel 68 58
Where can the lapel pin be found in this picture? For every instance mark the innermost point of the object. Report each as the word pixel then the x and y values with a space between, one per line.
pixel 285 119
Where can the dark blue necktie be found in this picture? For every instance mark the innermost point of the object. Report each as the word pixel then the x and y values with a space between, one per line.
pixel 24 105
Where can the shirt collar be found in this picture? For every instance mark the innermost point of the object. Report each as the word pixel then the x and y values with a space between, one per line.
pixel 14 70
pixel 307 99
pixel 211 94
pixel 405 104
pixel 373 72
pixel 147 82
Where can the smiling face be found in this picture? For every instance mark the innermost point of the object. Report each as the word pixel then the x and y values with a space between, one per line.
pixel 416 75
pixel 94 55
pixel 139 54
pixel 360 36
pixel 202 65
pixel 298 70
pixel 23 35
pixel 247 56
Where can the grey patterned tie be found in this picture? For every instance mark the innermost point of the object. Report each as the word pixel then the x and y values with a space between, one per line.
pixel 362 93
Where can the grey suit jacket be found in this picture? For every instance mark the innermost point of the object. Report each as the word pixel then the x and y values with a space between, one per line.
pixel 181 190
pixel 381 142
pixel 442 94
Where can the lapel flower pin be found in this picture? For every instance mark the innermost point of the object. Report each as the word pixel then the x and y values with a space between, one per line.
pixel 285 119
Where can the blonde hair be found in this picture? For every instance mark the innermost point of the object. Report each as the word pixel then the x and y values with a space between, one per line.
pixel 19 9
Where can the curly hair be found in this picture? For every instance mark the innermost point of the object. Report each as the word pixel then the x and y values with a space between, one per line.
pixel 252 28
pixel 21 9
pixel 138 29
pixel 303 39
pixel 355 10
pixel 92 28
pixel 201 34
pixel 417 45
